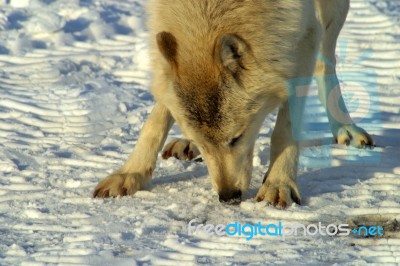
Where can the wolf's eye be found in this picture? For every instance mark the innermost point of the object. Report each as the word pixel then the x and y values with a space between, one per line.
pixel 234 141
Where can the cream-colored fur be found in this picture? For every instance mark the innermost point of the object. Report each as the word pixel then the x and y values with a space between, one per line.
pixel 220 66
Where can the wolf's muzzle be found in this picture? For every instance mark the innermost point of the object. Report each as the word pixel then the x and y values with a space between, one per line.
pixel 231 197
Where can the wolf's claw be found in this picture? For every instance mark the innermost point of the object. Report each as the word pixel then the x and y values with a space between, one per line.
pixel 354 136
pixel 279 193
pixel 181 149
pixel 117 185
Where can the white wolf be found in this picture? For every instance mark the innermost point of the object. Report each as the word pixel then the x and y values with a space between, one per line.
pixel 220 66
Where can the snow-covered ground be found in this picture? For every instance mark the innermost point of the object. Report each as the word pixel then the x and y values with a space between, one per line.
pixel 73 96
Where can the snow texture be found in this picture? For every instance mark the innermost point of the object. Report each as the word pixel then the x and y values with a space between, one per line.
pixel 74 93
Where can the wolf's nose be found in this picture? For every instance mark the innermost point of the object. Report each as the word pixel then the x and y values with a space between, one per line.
pixel 231 197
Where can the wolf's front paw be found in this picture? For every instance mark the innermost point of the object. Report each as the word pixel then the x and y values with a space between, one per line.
pixel 279 193
pixel 181 149
pixel 354 136
pixel 118 184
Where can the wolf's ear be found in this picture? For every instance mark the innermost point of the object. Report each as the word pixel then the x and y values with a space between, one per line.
pixel 232 50
pixel 168 46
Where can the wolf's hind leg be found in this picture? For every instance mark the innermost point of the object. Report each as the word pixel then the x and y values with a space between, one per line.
pixel 181 149
pixel 332 15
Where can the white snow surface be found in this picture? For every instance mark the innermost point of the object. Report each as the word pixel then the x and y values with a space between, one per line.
pixel 74 93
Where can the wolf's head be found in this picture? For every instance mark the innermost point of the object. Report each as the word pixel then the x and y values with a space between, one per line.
pixel 216 91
